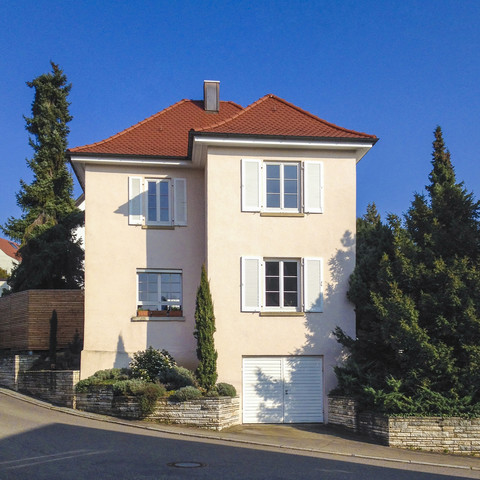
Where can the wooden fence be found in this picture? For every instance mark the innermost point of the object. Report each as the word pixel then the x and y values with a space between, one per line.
pixel 25 318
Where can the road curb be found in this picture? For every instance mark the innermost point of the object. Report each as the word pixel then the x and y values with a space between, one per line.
pixel 211 436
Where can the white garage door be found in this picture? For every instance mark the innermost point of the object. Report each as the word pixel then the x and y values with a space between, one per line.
pixel 282 389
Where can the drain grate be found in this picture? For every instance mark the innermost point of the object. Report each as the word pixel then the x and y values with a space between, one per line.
pixel 186 464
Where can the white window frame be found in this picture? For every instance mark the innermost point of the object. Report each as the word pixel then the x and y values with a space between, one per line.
pixel 159 302
pixel 158 182
pixel 310 186
pixel 281 291
pixel 282 166
pixel 138 196
pixel 309 284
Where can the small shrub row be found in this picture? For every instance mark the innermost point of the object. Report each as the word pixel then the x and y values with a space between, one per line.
pixel 153 374
pixel 103 377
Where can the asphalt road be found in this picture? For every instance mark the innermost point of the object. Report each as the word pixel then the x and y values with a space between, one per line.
pixel 38 443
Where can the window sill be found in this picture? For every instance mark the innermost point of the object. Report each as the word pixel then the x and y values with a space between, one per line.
pixel 281 214
pixel 158 227
pixel 282 314
pixel 157 319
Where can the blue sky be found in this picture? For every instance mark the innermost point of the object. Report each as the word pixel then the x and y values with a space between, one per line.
pixel 396 69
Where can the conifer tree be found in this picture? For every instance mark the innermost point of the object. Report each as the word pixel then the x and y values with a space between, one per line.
pixel 424 304
pixel 49 213
pixel 204 329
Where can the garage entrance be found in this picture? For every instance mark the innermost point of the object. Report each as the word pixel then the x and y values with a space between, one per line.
pixel 283 389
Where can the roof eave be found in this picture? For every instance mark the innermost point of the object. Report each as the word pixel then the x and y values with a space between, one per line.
pixel 79 160
pixel 199 141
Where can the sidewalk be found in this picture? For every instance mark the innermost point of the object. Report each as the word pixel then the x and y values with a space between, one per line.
pixel 316 438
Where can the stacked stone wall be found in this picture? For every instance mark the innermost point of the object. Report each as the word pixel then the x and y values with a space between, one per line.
pixel 342 412
pixel 11 366
pixel 212 413
pixel 55 386
pixel 436 434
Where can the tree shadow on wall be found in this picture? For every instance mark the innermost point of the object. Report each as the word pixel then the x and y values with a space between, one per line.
pixel 282 395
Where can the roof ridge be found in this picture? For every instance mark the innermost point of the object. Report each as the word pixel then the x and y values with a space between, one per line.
pixel 291 105
pixel 315 117
pixel 248 107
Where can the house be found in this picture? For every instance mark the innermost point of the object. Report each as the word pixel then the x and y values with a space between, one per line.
pixel 264 196
pixel 8 259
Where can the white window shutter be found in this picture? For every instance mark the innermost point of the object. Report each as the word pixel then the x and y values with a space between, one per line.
pixel 180 201
pixel 313 184
pixel 313 284
pixel 135 216
pixel 251 284
pixel 251 185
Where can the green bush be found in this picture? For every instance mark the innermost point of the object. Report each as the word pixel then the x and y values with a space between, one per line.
pixel 226 390
pixel 112 374
pixel 213 393
pixel 150 363
pixel 186 393
pixel 83 386
pixel 102 377
pixel 147 393
pixel 178 377
pixel 151 393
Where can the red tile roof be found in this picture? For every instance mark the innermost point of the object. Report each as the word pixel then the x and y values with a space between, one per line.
pixel 271 115
pixel 166 134
pixel 9 248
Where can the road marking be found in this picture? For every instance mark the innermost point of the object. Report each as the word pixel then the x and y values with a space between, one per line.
pixel 56 457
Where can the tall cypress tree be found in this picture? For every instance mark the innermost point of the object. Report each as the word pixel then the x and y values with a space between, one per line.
pixel 425 304
pixel 204 329
pixel 49 214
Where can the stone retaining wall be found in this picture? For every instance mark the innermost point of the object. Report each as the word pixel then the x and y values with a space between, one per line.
pixel 11 366
pixel 342 411
pixel 213 413
pixel 450 434
pixel 55 386
pixel 436 434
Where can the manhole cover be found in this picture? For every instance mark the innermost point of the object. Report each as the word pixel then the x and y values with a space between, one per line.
pixel 186 464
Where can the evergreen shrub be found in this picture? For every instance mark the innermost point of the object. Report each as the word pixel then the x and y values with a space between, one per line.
pixel 178 377
pixel 226 390
pixel 186 393
pixel 151 363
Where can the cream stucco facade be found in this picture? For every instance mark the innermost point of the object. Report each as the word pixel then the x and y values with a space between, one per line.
pixel 232 234
pixel 114 250
pixel 218 233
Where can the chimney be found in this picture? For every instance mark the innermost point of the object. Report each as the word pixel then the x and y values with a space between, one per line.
pixel 211 95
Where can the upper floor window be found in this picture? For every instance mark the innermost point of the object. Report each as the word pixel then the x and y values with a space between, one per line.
pixel 282 186
pixel 281 284
pixel 158 202
pixel 271 284
pixel 269 186
pixel 161 202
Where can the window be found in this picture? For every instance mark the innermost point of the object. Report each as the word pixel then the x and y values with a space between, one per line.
pixel 282 186
pixel 158 202
pixel 159 290
pixel 281 285
pixel 161 202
